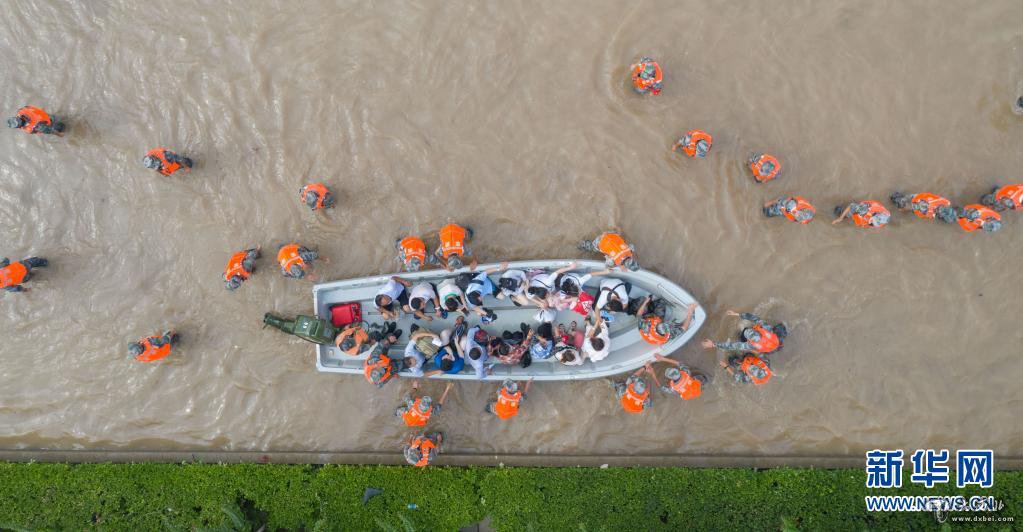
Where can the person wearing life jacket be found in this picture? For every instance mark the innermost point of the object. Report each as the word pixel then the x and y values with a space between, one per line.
pixel 973 217
pixel 35 121
pixel 793 208
pixel 294 259
pixel 748 369
pixel 764 167
pixel 633 394
pixel 153 348
pixel 454 246
pixel 421 448
pixel 412 253
pixel 240 266
pixel 760 338
pixel 358 338
pixel 647 77
pixel 925 205
pixel 316 196
pixel 869 214
pixel 652 325
pixel 165 161
pixel 1009 197
pixel 617 253
pixel 681 381
pixel 379 369
pixel 416 411
pixel 695 143
pixel 14 274
pixel 509 398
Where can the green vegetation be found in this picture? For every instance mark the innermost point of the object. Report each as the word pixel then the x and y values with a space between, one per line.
pixel 247 496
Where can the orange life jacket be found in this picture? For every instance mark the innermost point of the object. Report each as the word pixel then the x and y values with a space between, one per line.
pixel 358 335
pixel 1013 192
pixel 235 266
pixel 415 417
pixel 801 204
pixel 863 220
pixel 150 352
pixel 288 256
pixel 507 403
pixel 756 361
pixel 384 362
pixel 166 167
pixel 652 85
pixel 648 330
pixel 13 274
pixel 634 402
pixel 35 117
pixel 694 137
pixel 452 240
pixel 933 201
pixel 686 386
pixel 985 215
pixel 757 167
pixel 425 445
pixel 613 246
pixel 321 193
pixel 413 248
pixel 768 342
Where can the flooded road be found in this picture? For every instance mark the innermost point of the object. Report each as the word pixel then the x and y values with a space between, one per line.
pixel 515 118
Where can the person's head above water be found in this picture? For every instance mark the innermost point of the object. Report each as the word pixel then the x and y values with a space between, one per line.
pixel 510 385
pixel 414 264
pixel 630 264
pixel 16 122
pixel 135 349
pixel 151 162
pixel 455 262
pixel 311 197
pixel 672 374
pixel 234 282
pixel 945 213
pixel 702 147
pixel 750 335
pixel 639 385
pixel 296 271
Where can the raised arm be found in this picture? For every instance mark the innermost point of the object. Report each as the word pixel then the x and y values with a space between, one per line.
pixel 689 316
pixel 497 269
pixel 444 395
pixel 566 269
pixel 404 282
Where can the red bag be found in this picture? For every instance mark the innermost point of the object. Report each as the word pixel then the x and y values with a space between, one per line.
pixel 343 314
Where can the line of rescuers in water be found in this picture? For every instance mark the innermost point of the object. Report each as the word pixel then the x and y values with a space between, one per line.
pixel 647 78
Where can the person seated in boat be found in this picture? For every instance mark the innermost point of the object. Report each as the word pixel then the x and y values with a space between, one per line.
pixel 646 76
pixel 763 166
pixel 451 296
pixel 240 267
pixel 633 394
pixel 571 293
pixel 515 344
pixel 357 339
pixel 392 298
pixel 14 274
pixel 316 196
pixel 794 208
pixel 513 284
pixel 166 161
pixel 760 338
pixel 153 348
pixel 422 344
pixel 568 354
pixel 478 285
pixel 379 368
pixel 869 213
pixel 473 348
pixel 542 285
pixel 412 253
pixel 421 448
pixel 613 295
pixel 597 340
pixel 925 205
pixel 1007 198
pixel 422 294
pixel 652 326
pixel 35 121
pixel 541 341
pixel 454 247
pixel 695 143
pixel 509 397
pixel 416 411
pixel 681 380
pixel 973 217
pixel 617 253
pixel 294 259
pixel 447 362
pixel 748 368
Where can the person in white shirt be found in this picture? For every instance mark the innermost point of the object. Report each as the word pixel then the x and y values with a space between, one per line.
pixel 419 295
pixel 597 342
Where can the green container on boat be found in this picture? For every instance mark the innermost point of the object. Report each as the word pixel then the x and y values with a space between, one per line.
pixel 308 328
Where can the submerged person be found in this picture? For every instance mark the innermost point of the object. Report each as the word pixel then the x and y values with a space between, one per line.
pixel 793 208
pixel 153 348
pixel 356 338
pixel 316 196
pixel 454 247
pixel 35 121
pixel 294 259
pixel 421 448
pixel 1009 197
pixel 165 161
pixel 748 369
pixel 14 274
pixel 652 327
pixel 412 253
pixel 925 205
pixel 761 338
pixel 416 411
pixel 764 167
pixel 633 394
pixel 509 397
pixel 647 77
pixel 681 380
pixel 392 298
pixel 869 213
pixel 695 143
pixel 973 217
pixel 617 253
pixel 240 266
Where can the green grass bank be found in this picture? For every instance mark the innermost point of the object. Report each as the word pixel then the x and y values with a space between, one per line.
pixel 239 496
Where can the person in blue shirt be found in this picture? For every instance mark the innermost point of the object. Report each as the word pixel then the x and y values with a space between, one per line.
pixel 472 347
pixel 541 344
pixel 447 362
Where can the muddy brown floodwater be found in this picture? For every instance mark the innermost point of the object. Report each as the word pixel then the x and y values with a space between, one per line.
pixel 516 119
